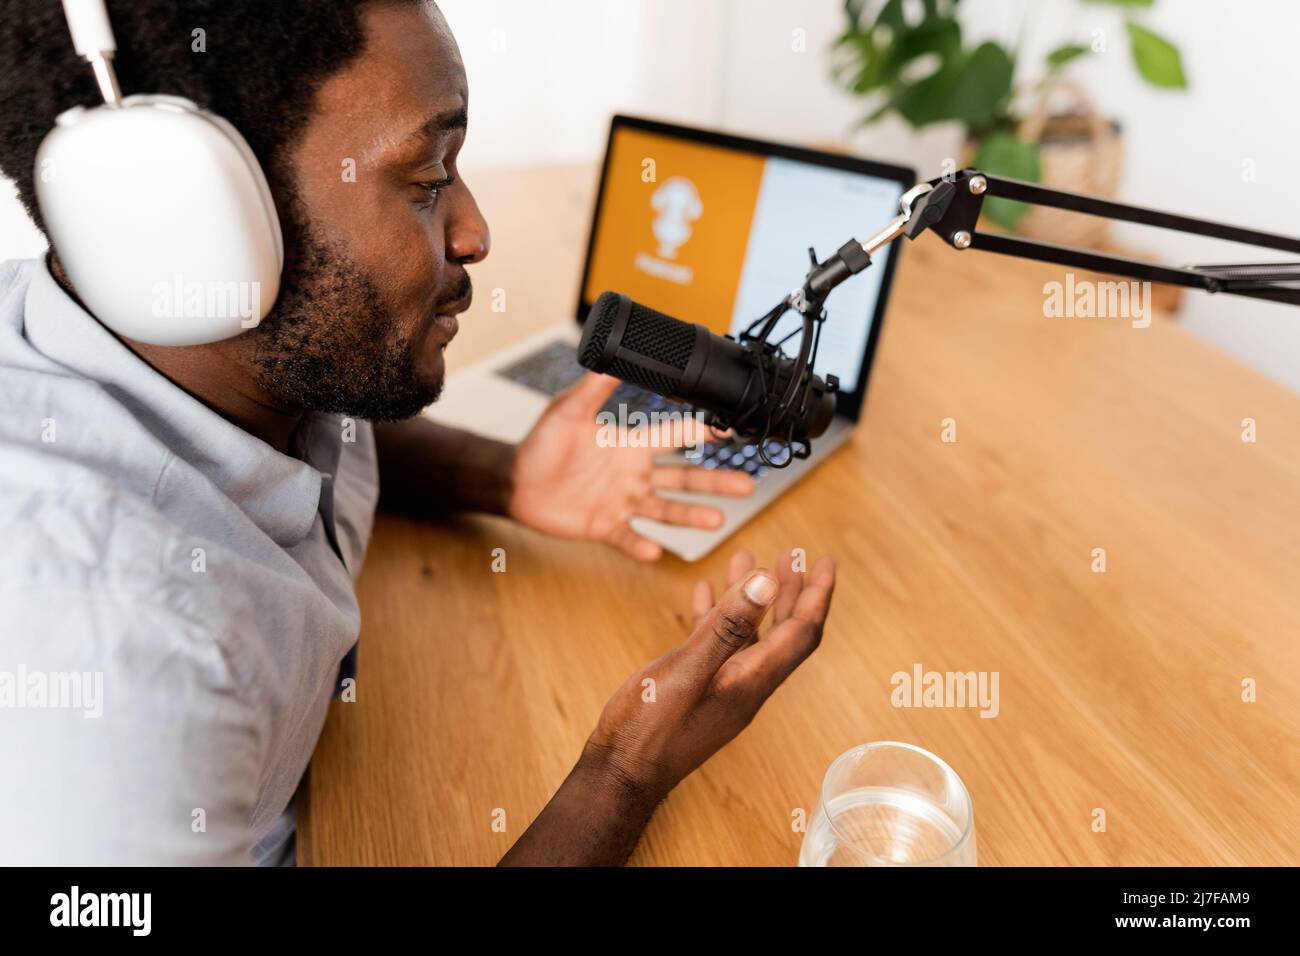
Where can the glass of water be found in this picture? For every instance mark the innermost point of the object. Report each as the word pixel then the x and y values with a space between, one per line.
pixel 890 804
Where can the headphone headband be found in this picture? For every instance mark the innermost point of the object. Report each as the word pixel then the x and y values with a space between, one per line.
pixel 92 38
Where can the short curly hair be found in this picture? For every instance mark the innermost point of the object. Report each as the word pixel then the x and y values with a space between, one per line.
pixel 261 65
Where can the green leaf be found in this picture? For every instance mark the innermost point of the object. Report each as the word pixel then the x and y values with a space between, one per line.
pixel 983 86
pixel 930 36
pixel 891 15
pixel 853 12
pixel 1156 58
pixel 926 101
pixel 972 89
pixel 1002 154
pixel 1064 54
pixel 865 69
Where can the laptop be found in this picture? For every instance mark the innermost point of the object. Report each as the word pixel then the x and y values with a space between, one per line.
pixel 714 229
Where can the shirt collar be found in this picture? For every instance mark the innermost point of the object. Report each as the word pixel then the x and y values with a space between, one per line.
pixel 280 493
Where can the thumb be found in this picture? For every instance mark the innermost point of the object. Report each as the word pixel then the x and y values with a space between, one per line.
pixel 732 623
pixel 587 394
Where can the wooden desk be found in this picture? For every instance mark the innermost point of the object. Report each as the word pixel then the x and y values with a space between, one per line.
pixel 1120 691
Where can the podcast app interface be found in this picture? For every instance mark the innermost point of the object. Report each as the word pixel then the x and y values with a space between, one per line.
pixel 717 236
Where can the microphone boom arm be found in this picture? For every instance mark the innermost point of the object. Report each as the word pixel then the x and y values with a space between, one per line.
pixel 809 301
pixel 950 207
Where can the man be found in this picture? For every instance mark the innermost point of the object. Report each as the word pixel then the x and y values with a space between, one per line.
pixel 183 526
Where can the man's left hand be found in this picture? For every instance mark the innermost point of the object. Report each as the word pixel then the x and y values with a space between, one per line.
pixel 566 483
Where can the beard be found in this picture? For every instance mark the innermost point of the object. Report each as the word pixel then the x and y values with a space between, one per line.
pixel 330 344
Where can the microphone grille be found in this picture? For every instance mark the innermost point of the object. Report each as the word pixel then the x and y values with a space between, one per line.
pixel 647 334
pixel 659 336
pixel 649 345
pixel 600 323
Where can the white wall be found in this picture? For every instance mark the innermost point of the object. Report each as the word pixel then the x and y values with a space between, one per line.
pixel 1192 152
pixel 1184 152
pixel 546 74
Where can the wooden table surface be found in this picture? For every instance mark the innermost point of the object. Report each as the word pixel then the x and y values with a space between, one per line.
pixel 1120 691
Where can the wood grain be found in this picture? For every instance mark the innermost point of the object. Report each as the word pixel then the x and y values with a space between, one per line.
pixel 1119 690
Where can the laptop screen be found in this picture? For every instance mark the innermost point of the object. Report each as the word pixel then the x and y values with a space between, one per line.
pixel 716 230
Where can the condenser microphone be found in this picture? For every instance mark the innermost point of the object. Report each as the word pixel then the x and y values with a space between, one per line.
pixel 746 388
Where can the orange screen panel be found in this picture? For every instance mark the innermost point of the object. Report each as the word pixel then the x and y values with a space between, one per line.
pixel 674 225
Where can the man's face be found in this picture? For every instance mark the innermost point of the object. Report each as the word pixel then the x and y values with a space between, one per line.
pixel 378 229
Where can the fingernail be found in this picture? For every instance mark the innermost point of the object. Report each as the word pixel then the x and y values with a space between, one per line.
pixel 760 588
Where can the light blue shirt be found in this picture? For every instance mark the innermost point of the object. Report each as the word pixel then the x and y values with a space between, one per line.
pixel 177 602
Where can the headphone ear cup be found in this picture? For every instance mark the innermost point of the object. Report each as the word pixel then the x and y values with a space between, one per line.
pixel 162 219
pixel 259 179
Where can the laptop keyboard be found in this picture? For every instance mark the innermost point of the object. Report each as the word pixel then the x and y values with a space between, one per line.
pixel 737 454
pixel 553 368
pixel 549 370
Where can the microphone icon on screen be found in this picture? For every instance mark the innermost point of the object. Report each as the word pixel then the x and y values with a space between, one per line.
pixel 678 204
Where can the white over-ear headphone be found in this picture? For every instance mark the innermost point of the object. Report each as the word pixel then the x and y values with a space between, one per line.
pixel 159 211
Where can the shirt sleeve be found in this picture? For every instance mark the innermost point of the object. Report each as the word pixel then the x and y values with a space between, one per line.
pixel 124 737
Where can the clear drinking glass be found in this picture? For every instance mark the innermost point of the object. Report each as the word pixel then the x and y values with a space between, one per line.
pixel 890 804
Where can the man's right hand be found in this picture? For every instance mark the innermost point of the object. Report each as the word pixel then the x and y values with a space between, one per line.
pixel 675 713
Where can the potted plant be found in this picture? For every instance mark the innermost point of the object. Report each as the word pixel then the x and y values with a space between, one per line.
pixel 909 59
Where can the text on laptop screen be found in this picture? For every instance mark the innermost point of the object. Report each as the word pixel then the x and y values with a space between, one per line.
pixel 718 236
